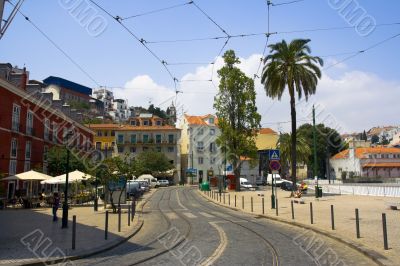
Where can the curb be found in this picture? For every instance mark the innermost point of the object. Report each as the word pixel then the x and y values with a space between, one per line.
pixel 112 245
pixel 358 247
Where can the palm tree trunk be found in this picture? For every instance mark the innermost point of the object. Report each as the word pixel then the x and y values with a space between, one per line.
pixel 293 139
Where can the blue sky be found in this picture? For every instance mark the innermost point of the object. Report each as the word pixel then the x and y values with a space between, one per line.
pixel 114 58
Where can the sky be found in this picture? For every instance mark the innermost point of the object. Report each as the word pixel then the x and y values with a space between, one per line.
pixel 354 93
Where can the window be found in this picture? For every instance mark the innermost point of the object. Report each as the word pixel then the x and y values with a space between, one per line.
pixel 200 131
pixel 340 170
pixel 46 129
pixel 200 145
pixel 120 149
pixel 200 159
pixel 213 148
pixel 133 138
pixel 112 133
pixel 171 149
pixel 212 131
pixel 133 149
pixel 145 138
pixel 27 166
pixel 29 123
pixel 14 147
pixel 45 152
pixel 158 123
pixel 211 120
pixel 158 149
pixel 133 123
pixel 212 160
pixel 99 133
pixel 12 170
pixel 120 139
pixel 158 138
pixel 55 132
pixel 28 150
pixel 170 138
pixel 145 122
pixel 106 133
pixel 98 145
pixel 15 117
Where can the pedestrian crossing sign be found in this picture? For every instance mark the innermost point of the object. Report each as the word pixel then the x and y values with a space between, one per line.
pixel 274 155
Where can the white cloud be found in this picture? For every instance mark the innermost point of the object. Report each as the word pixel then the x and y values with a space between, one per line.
pixel 346 100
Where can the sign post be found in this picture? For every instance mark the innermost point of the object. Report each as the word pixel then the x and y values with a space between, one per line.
pixel 274 165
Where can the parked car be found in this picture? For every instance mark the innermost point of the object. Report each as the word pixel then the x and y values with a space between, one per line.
pixel 244 183
pixel 133 189
pixel 261 181
pixel 162 183
pixel 277 180
pixel 287 185
pixel 144 185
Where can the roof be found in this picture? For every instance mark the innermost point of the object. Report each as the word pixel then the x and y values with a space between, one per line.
pixel 30 175
pixel 266 131
pixel 363 152
pixel 382 165
pixel 119 127
pixel 199 119
pixel 68 85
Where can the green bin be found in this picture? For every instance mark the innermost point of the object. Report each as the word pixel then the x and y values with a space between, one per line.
pixel 205 186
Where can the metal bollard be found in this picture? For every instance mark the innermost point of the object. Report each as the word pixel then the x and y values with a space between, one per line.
pixel 243 202
pixel 133 209
pixel 251 204
pixel 224 198
pixel 276 207
pixel 229 199
pixel 291 204
pixel 129 215
pixel 311 213
pixel 106 227
pixel 119 219
pixel 357 224
pixel 262 202
pixel 332 218
pixel 235 200
pixel 385 239
pixel 73 231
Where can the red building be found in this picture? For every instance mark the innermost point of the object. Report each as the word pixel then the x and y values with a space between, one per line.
pixel 29 127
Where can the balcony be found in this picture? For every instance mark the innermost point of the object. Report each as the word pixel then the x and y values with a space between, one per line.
pixel 200 149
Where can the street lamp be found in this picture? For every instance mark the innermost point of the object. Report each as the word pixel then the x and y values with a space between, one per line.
pixel 65 204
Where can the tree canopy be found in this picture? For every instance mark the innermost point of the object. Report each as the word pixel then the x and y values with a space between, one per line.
pixel 57 161
pixel 237 114
pixel 151 162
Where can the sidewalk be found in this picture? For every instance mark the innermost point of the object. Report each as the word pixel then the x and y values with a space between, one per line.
pixel 30 236
pixel 370 213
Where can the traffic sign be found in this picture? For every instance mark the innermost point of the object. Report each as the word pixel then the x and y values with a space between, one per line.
pixel 275 165
pixel 191 171
pixel 274 155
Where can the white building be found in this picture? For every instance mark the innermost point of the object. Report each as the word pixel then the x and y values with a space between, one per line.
pixel 366 162
pixel 106 96
pixel 120 110
pixel 199 148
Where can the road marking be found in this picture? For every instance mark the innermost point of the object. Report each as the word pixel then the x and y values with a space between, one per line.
pixel 221 247
pixel 189 214
pixel 171 215
pixel 179 201
pixel 206 214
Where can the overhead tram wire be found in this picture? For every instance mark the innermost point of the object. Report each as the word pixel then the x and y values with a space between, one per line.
pixel 142 41
pixel 157 10
pixel 363 51
pixel 58 47
pixel 288 3
pixel 245 35
pixel 269 3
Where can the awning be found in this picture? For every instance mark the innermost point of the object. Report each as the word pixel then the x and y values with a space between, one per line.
pixel 28 176
pixel 145 176
pixel 381 165
pixel 74 176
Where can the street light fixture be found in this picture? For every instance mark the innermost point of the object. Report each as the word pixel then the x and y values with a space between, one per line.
pixel 65 204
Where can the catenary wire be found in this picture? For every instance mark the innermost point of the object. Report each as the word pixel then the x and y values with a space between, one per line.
pixel 157 10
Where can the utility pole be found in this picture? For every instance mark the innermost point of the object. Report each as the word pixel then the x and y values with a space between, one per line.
pixel 10 18
pixel 315 151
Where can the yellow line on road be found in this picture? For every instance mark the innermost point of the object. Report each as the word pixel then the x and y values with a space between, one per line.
pixel 221 247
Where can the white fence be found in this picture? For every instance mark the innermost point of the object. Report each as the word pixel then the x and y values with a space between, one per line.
pixel 363 190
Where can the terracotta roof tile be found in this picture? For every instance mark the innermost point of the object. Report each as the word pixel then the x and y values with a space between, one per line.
pixel 130 128
pixel 266 131
pixel 363 152
pixel 199 119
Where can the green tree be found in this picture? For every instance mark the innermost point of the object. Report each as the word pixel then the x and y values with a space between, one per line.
pixel 364 136
pixel 384 141
pixel 237 114
pixel 329 142
pixel 285 145
pixel 151 162
pixel 374 139
pixel 291 66
pixel 57 161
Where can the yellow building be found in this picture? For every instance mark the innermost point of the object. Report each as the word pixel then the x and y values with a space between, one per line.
pixel 266 139
pixel 104 138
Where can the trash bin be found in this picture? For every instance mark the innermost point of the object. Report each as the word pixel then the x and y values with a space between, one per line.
pixel 205 186
pixel 318 192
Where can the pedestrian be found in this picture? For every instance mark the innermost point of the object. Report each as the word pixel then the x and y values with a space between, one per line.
pixel 56 204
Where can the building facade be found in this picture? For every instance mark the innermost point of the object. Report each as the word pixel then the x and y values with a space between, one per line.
pixel 201 158
pixel 29 127
pixel 371 162
pixel 132 140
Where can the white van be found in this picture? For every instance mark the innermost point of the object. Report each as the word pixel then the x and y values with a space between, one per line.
pixel 244 183
pixel 277 179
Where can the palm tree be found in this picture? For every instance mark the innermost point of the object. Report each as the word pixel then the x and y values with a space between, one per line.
pixel 303 150
pixel 291 66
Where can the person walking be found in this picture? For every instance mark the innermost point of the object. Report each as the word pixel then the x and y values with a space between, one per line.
pixel 56 204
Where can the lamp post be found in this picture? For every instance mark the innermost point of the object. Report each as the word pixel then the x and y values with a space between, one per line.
pixel 65 204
